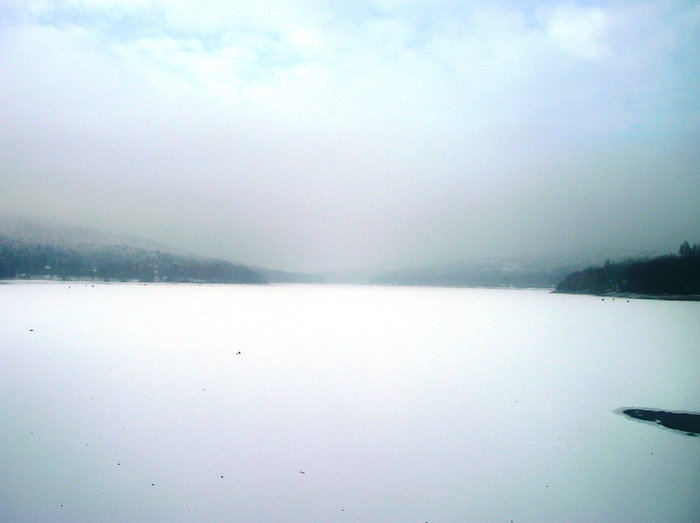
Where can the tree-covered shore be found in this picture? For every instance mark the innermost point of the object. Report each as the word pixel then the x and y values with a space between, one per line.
pixel 669 277
pixel 32 260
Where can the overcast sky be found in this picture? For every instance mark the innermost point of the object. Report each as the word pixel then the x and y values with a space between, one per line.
pixel 315 135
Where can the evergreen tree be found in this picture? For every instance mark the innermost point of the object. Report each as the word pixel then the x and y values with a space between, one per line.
pixel 685 249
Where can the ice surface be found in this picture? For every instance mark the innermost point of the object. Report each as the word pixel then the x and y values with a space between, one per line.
pixel 129 402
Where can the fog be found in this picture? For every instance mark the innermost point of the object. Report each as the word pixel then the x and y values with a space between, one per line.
pixel 308 136
pixel 132 402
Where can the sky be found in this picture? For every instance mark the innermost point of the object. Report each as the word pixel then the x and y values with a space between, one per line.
pixel 314 135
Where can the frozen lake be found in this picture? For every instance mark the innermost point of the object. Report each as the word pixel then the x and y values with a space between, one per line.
pixel 131 402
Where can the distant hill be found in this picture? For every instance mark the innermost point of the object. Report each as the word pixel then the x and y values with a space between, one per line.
pixel 535 272
pixel 275 276
pixel 32 249
pixel 669 276
pixel 28 229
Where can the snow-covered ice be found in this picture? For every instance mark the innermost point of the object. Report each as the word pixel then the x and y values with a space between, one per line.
pixel 131 402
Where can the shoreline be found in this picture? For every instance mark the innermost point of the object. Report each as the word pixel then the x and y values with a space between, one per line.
pixel 613 294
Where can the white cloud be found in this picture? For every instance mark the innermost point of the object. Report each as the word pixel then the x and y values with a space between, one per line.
pixel 579 32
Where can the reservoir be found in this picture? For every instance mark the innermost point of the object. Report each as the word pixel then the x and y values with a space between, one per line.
pixel 300 403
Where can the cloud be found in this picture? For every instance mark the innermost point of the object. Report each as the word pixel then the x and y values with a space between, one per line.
pixel 579 32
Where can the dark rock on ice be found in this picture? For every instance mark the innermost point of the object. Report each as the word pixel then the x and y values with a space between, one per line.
pixel 687 422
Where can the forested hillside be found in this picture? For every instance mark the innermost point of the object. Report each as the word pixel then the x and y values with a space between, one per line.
pixel 19 259
pixel 671 275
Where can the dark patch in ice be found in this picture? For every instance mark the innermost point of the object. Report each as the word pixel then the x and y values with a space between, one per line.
pixel 686 422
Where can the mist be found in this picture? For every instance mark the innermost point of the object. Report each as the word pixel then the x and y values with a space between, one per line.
pixel 316 137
